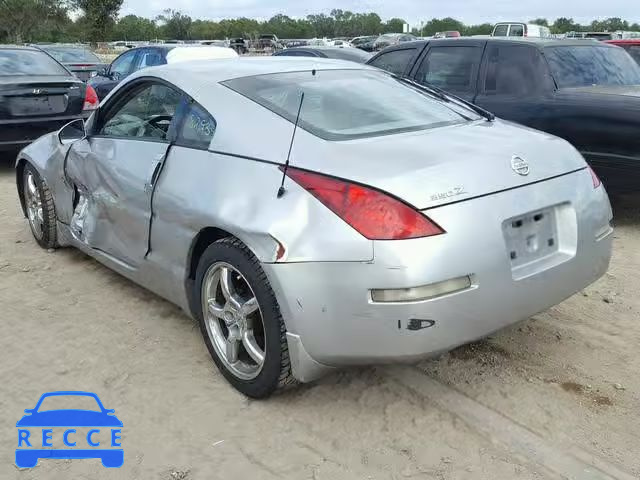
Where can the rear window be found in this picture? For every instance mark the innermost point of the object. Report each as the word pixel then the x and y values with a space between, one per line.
pixel 72 55
pixel 583 66
pixel 634 51
pixel 516 31
pixel 346 104
pixel 28 62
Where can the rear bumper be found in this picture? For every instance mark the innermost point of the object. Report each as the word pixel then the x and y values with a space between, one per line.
pixel 332 319
pixel 15 134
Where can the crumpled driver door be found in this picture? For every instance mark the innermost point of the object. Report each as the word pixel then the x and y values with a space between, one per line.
pixel 114 179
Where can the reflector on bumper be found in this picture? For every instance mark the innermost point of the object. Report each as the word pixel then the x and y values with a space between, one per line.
pixel 425 292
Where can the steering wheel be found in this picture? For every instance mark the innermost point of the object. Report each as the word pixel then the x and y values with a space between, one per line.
pixel 154 123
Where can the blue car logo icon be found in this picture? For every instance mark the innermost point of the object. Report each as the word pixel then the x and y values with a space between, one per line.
pixel 40 430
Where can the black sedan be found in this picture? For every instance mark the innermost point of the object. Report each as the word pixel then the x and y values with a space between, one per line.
pixel 583 91
pixel 80 60
pixel 37 95
pixel 338 53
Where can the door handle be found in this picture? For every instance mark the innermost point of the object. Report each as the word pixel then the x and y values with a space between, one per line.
pixel 153 177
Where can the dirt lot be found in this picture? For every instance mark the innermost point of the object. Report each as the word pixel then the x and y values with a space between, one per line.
pixel 555 397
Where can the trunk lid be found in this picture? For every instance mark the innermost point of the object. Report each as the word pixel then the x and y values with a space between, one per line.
pixel 449 164
pixel 40 96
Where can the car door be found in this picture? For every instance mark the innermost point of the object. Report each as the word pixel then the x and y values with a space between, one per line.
pixel 515 84
pixel 119 69
pixel 115 169
pixel 452 66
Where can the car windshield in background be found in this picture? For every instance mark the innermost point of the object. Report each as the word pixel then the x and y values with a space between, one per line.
pixel 28 62
pixel 584 66
pixel 346 104
pixel 72 55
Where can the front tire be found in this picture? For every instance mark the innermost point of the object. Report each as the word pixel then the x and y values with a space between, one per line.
pixel 41 212
pixel 240 320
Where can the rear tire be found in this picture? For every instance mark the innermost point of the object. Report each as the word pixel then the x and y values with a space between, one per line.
pixel 39 208
pixel 256 375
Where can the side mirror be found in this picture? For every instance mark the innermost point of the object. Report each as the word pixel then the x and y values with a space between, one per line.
pixel 72 132
pixel 102 72
pixel 28 410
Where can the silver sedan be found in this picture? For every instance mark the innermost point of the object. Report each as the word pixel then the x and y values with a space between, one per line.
pixel 314 214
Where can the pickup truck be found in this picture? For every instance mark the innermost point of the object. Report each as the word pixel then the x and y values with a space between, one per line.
pixel 584 91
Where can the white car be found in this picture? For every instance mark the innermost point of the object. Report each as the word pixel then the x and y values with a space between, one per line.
pixel 519 29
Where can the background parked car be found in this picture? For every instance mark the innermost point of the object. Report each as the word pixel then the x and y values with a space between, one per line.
pixel 364 43
pixel 240 45
pixel 78 59
pixel 583 91
pixel 390 39
pixel 339 53
pixel 600 36
pixel 142 57
pixel 37 96
pixel 631 46
pixel 518 29
pixel 449 34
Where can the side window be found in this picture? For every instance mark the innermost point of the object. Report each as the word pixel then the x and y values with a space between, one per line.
pixel 513 70
pixel 121 66
pixel 147 112
pixel 501 31
pixel 516 30
pixel 197 129
pixel 395 61
pixel 451 68
pixel 151 58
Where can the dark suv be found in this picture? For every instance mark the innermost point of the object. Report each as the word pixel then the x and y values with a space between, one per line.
pixel 584 91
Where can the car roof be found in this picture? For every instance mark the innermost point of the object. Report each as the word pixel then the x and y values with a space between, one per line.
pixel 535 41
pixel 203 73
pixel 18 47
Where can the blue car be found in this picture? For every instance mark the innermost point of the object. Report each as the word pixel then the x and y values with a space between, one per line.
pixel 100 418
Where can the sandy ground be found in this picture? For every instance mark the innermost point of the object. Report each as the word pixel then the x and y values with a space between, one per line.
pixel 555 397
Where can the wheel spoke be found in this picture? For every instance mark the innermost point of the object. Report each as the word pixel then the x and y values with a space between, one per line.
pixel 249 306
pixel 226 283
pixel 215 309
pixel 31 185
pixel 252 348
pixel 232 346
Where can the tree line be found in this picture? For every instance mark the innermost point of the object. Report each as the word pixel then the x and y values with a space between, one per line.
pixel 98 21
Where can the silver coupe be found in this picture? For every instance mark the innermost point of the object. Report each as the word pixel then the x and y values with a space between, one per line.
pixel 314 214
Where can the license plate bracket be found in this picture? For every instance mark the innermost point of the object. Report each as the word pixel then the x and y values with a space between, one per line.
pixel 531 237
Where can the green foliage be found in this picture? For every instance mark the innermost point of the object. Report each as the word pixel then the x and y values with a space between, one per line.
pixel 48 20
pixel 174 25
pixel 24 20
pixel 100 16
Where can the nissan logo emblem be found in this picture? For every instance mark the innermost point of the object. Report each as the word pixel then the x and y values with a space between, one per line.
pixel 519 165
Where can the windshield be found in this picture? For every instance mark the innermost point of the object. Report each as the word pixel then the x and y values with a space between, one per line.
pixel 69 402
pixel 588 65
pixel 28 62
pixel 72 55
pixel 347 104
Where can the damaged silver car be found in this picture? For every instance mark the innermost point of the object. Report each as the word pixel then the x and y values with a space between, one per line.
pixel 315 214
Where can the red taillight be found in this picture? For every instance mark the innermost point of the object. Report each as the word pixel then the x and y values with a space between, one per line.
pixel 91 101
pixel 374 214
pixel 595 178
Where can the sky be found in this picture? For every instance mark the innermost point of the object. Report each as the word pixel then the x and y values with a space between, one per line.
pixel 413 11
